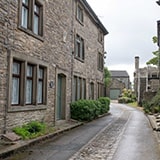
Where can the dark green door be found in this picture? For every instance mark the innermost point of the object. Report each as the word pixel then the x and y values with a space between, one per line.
pixel 60 97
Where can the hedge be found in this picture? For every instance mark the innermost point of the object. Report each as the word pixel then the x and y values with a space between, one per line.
pixel 87 110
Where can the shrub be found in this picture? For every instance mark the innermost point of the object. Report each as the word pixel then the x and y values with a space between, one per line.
pixel 127 96
pixel 83 110
pixel 105 102
pixel 125 100
pixel 30 130
pixel 152 106
pixel 87 110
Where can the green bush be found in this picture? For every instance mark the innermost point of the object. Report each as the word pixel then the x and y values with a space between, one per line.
pixel 125 100
pixel 87 110
pixel 127 96
pixel 105 102
pixel 30 130
pixel 152 106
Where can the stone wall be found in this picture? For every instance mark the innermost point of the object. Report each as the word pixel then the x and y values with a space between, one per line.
pixel 55 50
pixel 4 52
pixel 89 69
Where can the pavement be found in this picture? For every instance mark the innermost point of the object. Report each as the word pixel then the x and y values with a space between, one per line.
pixel 8 148
pixel 154 120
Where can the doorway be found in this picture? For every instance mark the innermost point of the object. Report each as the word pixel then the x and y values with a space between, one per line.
pixel 61 97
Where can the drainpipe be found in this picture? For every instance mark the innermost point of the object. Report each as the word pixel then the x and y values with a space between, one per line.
pixel 72 47
pixel 7 48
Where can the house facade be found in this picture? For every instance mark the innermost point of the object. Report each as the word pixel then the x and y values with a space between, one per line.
pixel 119 80
pixel 146 80
pixel 51 53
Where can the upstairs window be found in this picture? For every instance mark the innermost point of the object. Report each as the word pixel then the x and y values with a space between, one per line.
pixel 25 14
pixel 36 25
pixel 31 17
pixel 100 36
pixel 79 48
pixel 79 14
pixel 100 62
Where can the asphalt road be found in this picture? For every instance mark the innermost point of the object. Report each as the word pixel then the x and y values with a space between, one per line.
pixel 125 134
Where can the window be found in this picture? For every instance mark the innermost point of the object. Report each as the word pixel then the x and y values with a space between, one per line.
pixel 25 14
pixel 79 14
pixel 91 90
pixel 79 48
pixel 79 88
pixel 100 36
pixel 100 62
pixel 40 85
pixel 31 17
pixel 100 90
pixel 16 79
pixel 29 84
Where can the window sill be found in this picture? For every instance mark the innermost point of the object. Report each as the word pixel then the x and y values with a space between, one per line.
pixel 101 70
pixel 31 33
pixel 81 22
pixel 101 42
pixel 79 59
pixel 27 108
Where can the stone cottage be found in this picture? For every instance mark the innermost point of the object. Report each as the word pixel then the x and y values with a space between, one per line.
pixel 145 80
pixel 51 53
pixel 119 80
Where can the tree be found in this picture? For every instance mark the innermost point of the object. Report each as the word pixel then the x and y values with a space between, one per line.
pixel 107 77
pixel 155 59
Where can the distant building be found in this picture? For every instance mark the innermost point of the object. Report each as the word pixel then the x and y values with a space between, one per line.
pixel 145 79
pixel 120 80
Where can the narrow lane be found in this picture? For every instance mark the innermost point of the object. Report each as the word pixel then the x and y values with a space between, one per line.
pixel 124 135
pixel 138 141
pixel 132 139
pixel 64 146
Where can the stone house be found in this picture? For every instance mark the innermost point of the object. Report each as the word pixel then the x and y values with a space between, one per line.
pixel 51 53
pixel 119 80
pixel 145 80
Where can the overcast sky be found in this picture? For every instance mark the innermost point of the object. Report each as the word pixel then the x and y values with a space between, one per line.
pixel 131 25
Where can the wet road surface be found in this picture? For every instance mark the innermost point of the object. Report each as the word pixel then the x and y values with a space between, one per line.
pixel 124 135
pixel 138 141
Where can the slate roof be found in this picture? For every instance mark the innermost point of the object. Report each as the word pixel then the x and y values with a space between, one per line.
pixel 118 73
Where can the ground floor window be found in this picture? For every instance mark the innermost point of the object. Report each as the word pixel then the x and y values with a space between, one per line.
pixel 91 90
pixel 29 83
pixel 79 88
pixel 100 89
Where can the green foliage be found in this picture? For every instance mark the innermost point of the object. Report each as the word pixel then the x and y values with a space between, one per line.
pixel 127 96
pixel 105 103
pixel 107 77
pixel 152 106
pixel 30 130
pixel 155 59
pixel 155 39
pixel 87 110
pixel 125 100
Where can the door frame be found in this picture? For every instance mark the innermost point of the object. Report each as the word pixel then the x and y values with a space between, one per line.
pixel 62 106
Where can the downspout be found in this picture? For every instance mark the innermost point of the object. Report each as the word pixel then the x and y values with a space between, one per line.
pixel 8 50
pixel 72 47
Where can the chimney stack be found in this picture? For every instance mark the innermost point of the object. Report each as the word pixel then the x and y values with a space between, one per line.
pixel 137 63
